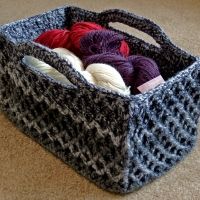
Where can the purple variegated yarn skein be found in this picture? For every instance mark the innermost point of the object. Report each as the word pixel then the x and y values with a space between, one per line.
pixel 103 46
pixel 103 41
pixel 145 69
pixel 121 64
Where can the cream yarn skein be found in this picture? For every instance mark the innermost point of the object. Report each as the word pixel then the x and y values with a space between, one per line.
pixel 108 77
pixel 68 55
pixel 45 68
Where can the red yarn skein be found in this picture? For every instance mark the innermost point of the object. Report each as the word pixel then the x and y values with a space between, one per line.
pixel 54 38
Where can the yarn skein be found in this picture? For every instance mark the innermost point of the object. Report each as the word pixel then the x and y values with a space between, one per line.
pixel 78 31
pixel 45 68
pixel 103 41
pixel 68 55
pixel 54 38
pixel 106 76
pixel 145 69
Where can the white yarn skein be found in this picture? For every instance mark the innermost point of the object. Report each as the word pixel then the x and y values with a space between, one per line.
pixel 108 77
pixel 68 55
pixel 45 68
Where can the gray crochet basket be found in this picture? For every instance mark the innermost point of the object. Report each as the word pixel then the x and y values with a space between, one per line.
pixel 119 142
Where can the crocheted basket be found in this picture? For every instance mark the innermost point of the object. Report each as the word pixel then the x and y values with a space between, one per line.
pixel 119 142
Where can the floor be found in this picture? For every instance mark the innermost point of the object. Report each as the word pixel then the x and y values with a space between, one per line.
pixel 28 172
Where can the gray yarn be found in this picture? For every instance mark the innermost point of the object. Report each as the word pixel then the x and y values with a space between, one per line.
pixel 121 143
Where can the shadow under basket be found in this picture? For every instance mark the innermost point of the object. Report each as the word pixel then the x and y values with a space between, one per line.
pixel 119 142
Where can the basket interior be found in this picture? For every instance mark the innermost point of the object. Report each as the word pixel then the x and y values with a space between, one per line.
pixel 169 62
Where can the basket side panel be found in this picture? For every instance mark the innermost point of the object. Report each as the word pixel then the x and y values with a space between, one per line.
pixel 164 127
pixel 86 130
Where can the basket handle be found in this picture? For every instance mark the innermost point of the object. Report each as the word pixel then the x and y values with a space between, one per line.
pixel 46 55
pixel 143 24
